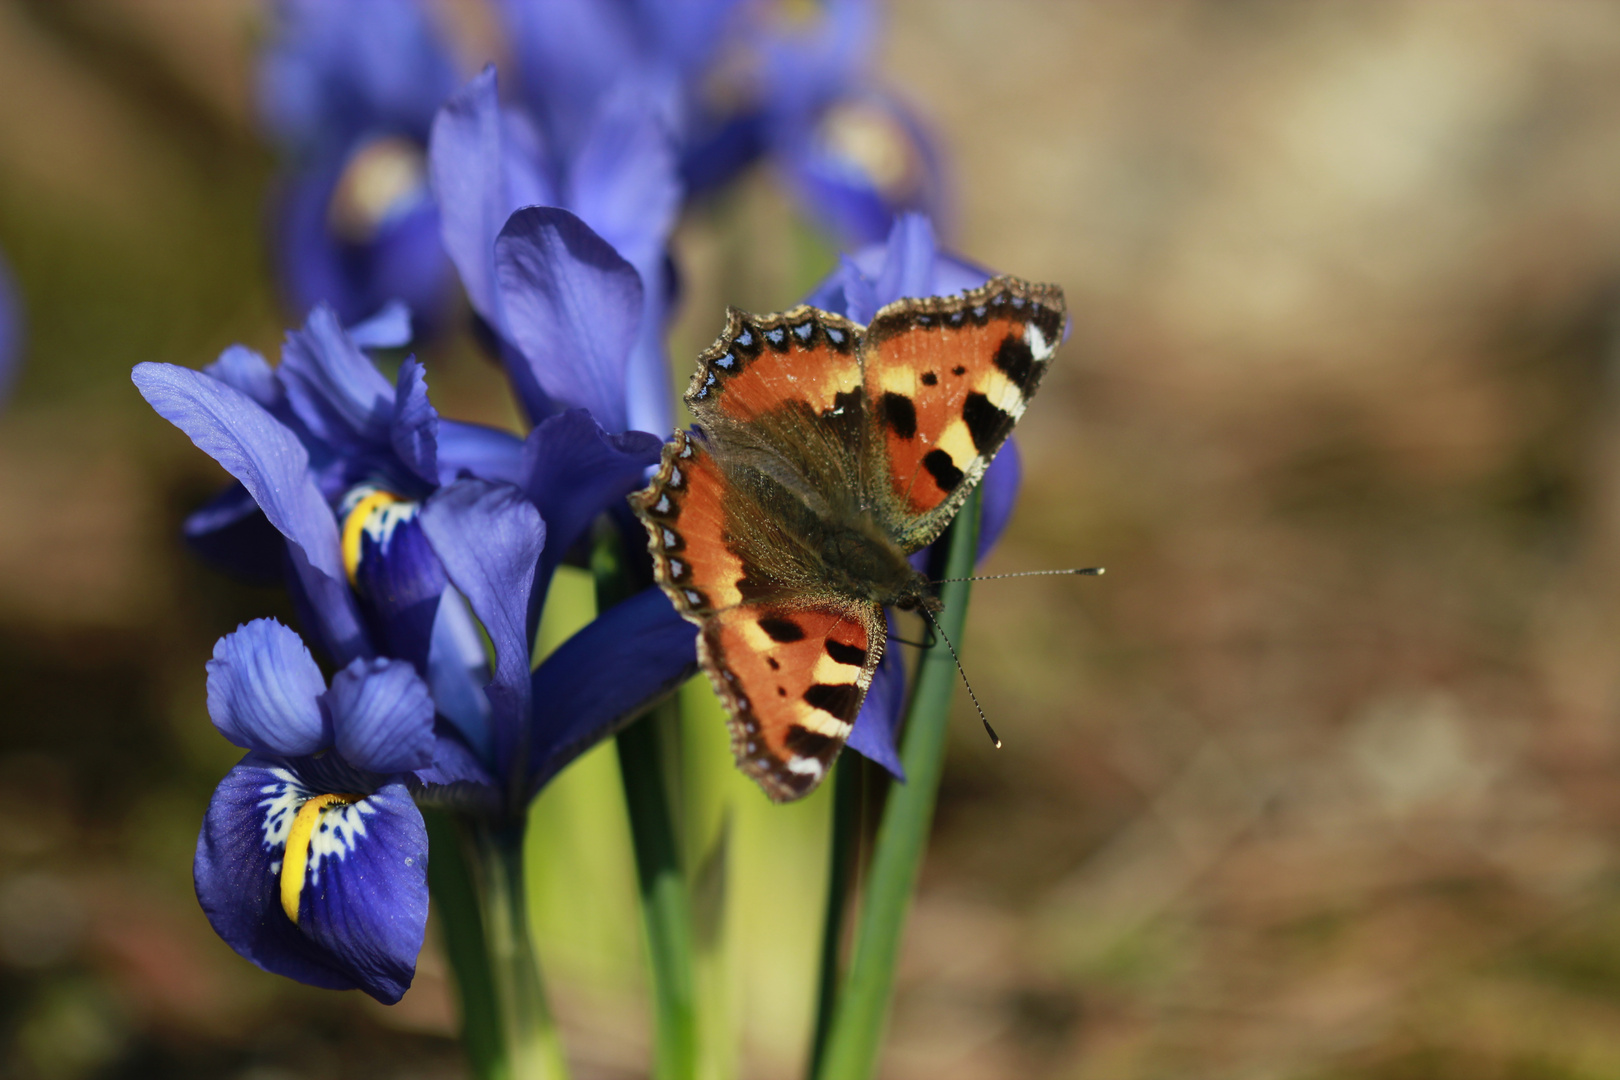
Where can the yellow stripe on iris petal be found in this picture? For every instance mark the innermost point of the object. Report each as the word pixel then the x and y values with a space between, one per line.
pixel 354 527
pixel 296 858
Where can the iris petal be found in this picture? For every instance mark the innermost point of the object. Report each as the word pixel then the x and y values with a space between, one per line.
pixel 606 675
pixel 1001 482
pixel 414 430
pixel 573 470
pixel 485 452
pixel 573 307
pixel 362 901
pixel 479 179
pixel 389 328
pixel 878 725
pixel 489 538
pixel 273 465
pixel 264 690
pixel 334 387
pixel 382 716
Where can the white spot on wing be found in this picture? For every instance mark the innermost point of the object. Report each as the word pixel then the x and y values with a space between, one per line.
pixel 1038 345
pixel 804 766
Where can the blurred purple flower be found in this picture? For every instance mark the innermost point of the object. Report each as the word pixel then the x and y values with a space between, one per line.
pixel 563 255
pixel 350 90
pixel 852 154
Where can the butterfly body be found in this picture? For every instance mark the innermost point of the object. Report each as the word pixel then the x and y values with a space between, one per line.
pixel 827 454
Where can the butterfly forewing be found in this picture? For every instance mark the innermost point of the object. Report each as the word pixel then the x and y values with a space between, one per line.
pixel 946 379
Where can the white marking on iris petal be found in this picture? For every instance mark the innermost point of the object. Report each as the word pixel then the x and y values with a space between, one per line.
pixel 339 832
pixel 804 766
pixel 382 522
pixel 1039 347
pixel 280 807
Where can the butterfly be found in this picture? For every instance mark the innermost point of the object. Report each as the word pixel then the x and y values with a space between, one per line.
pixel 826 453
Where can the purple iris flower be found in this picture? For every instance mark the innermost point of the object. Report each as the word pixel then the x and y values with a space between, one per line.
pixel 562 247
pixel 312 860
pixel 397 529
pixel 350 90
pixel 911 263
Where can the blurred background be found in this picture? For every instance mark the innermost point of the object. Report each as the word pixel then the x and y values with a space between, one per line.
pixel 1319 782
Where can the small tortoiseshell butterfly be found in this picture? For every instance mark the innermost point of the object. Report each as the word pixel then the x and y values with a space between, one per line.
pixel 827 453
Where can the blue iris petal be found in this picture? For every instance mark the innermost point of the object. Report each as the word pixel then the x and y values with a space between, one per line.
pixel 573 307
pixel 457 671
pixel 382 716
pixel 606 675
pixel 363 904
pixel 458 776
pixel 489 538
pixel 573 470
pixel 334 387
pixel 389 328
pixel 246 370
pixel 414 430
pixel 264 691
pixel 878 725
pixel 486 452
pixel 484 163
pixel 401 580
pixel 1001 482
pixel 273 465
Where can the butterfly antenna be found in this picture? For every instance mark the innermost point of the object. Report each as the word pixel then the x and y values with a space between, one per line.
pixel 1090 571
pixel 983 719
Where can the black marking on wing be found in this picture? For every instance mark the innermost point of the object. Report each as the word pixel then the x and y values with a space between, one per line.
pixel 901 414
pixel 1016 360
pixel 781 630
pixel 846 654
pixel 943 469
pixel 988 424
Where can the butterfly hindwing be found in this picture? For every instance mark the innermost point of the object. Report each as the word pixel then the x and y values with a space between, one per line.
pixel 791 666
pixel 792 677
pixel 946 379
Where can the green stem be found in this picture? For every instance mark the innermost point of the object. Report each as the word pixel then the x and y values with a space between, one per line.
pixel 862 1011
pixel 665 903
pixel 848 780
pixel 533 1051
pixel 455 897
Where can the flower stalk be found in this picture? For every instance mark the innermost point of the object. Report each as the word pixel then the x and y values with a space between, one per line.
pixel 532 1048
pixel 861 1012
pixel 665 900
